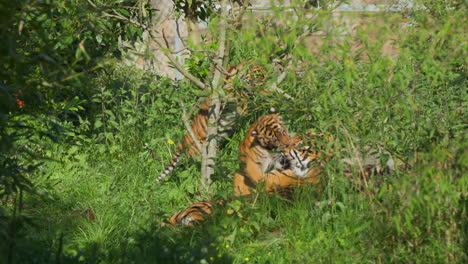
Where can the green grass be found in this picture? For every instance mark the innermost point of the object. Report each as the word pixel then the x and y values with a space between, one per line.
pixel 412 218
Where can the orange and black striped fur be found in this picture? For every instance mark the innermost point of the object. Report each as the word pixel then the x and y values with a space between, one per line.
pixel 298 164
pixel 194 214
pixel 305 161
pixel 257 151
pixel 297 171
pixel 253 77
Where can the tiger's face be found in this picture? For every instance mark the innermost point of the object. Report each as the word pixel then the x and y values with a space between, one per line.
pixel 270 132
pixel 299 160
pixel 306 152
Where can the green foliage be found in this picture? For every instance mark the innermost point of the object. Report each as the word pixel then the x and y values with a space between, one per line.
pixel 49 52
pixel 93 136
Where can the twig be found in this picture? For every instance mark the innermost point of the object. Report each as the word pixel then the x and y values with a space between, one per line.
pixel 176 64
pixel 227 86
pixel 242 9
pixel 220 67
pixel 180 35
pixel 165 39
pixel 92 4
pixel 166 51
pixel 281 77
pixel 194 107
pixel 185 119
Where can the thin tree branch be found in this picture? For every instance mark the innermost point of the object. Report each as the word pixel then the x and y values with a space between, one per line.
pixel 92 4
pixel 165 39
pixel 195 107
pixel 176 64
pixel 281 77
pixel 220 67
pixel 227 86
pixel 184 47
pixel 180 35
pixel 166 51
pixel 185 119
pixel 241 11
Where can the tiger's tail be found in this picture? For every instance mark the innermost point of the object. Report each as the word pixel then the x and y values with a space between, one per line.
pixel 175 160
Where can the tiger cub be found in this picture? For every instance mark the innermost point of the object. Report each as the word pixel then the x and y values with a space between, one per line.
pixel 253 76
pixel 257 151
pixel 297 160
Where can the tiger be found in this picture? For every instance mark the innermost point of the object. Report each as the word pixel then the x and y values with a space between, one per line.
pixel 300 169
pixel 305 161
pixel 253 76
pixel 264 138
pixel 298 160
pixel 302 152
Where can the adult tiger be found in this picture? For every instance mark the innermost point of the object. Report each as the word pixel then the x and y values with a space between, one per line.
pixel 252 76
pixel 298 165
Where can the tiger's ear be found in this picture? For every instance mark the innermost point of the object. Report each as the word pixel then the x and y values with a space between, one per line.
pixel 254 133
pixel 272 110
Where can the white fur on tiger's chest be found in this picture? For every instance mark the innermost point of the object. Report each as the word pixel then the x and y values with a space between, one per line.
pixel 271 161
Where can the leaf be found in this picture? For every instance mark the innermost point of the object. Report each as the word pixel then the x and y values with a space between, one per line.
pixel 123 12
pixel 73 149
pixel 98 123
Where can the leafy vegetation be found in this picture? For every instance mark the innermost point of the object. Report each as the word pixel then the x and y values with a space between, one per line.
pixel 83 139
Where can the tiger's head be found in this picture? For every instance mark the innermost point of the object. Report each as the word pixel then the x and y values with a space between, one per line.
pixel 305 152
pixel 270 132
pixel 299 160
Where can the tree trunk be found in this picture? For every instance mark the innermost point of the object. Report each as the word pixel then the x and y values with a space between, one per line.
pixel 210 147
